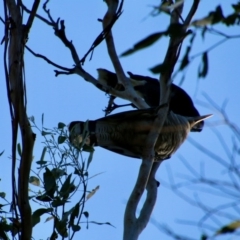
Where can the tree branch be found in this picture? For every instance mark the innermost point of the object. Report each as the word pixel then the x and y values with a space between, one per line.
pixel 32 16
pixel 18 101
pixel 191 13
pixel 37 16
pixel 133 226
pixel 130 94
pixel 150 201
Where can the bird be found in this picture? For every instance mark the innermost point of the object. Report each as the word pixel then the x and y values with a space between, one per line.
pixel 125 133
pixel 148 88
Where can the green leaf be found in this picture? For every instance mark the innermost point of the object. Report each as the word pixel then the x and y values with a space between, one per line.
pixel 204 30
pixel 43 153
pixel 146 42
pixel 2 194
pixel 217 16
pixel 57 172
pixel 90 158
pixel 5 227
pixel 91 193
pixel 49 218
pixel 212 18
pixel 159 69
pixel 61 125
pixel 42 119
pixel 67 187
pixel 19 149
pixel 185 60
pixel 204 237
pixel 49 183
pixel 44 198
pixel 2 153
pixel 66 215
pixel 61 227
pixel 58 202
pixel 236 7
pixel 44 133
pixel 192 38
pixel 232 19
pixel 232 227
pixel 76 228
pixel 41 162
pixel 203 22
pixel 74 214
pixel 87 148
pixel 61 139
pixel 203 68
pixel 34 180
pixel 86 214
pixel 38 213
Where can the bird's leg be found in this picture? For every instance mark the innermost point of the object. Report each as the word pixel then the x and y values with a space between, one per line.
pixel 112 105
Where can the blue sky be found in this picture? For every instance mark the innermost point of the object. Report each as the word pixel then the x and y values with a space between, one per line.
pixel 68 98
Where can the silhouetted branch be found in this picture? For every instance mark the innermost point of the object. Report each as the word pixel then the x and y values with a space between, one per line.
pixel 151 198
pixel 105 31
pixel 129 91
pixel 18 101
pixel 132 226
pixel 191 12
pixel 37 15
pixel 11 108
pixel 48 60
pixel 32 16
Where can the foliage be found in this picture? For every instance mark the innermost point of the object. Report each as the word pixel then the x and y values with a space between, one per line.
pixel 206 25
pixel 61 172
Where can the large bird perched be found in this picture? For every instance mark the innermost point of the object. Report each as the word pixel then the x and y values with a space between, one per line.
pixel 148 89
pixel 126 132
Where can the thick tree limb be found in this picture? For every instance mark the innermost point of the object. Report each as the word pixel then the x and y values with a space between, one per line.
pixel 14 126
pixel 17 100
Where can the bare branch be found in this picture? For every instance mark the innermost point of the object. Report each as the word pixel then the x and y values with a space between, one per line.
pixel 47 60
pixel 32 16
pixel 191 13
pixel 149 203
pixel 18 102
pixel 129 91
pixel 104 33
pixel 37 16
pixel 14 125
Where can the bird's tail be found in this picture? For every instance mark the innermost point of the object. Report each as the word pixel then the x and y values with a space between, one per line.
pixel 108 78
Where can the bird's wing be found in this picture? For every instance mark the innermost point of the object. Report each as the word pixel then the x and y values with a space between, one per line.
pixel 121 151
pixel 129 115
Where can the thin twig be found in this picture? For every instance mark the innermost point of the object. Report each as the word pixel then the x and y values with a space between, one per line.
pixel 48 60
pixel 37 15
